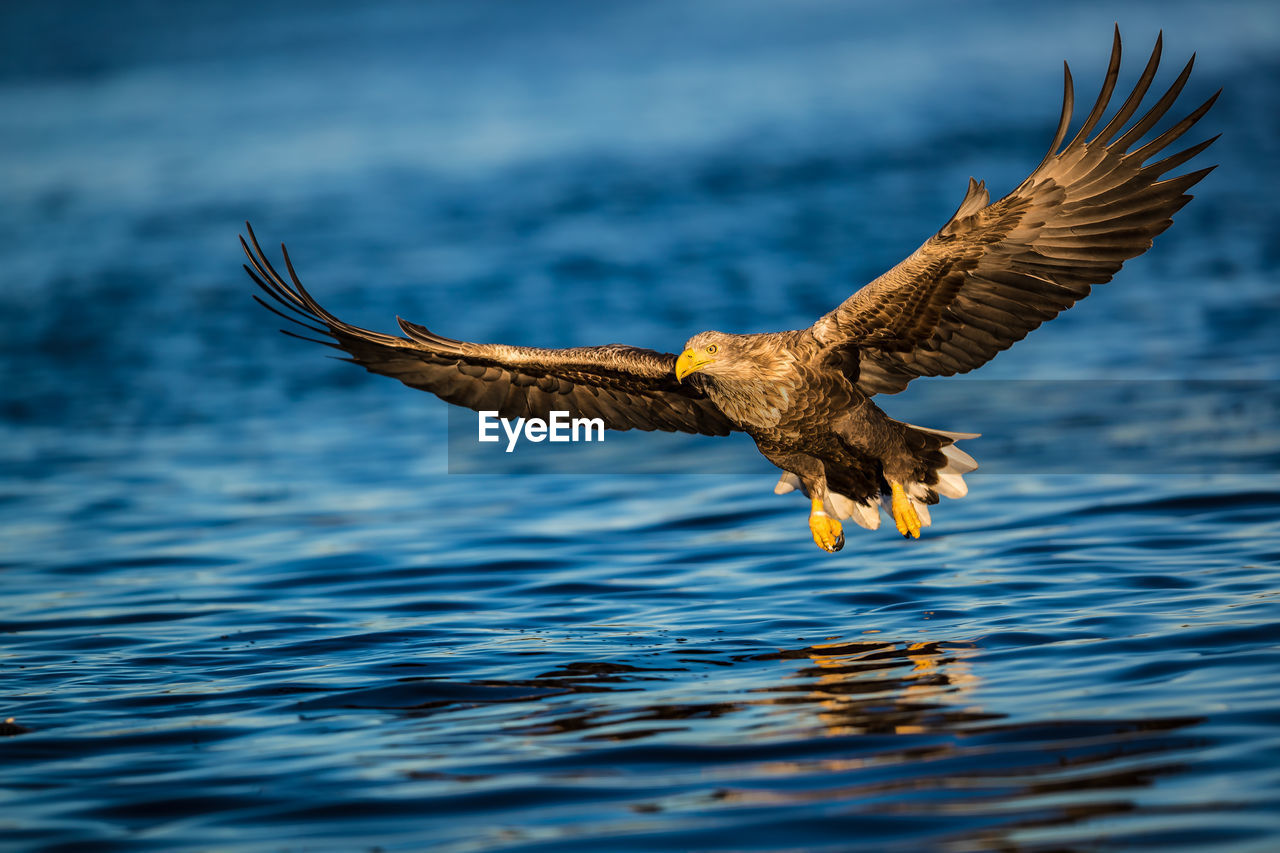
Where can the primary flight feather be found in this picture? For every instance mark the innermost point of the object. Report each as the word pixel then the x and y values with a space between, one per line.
pixel 992 274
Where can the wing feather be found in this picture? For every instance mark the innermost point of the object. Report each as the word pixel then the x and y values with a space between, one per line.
pixel 995 272
pixel 628 387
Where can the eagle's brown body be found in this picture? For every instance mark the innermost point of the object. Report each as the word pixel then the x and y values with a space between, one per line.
pixel 802 406
pixel 992 274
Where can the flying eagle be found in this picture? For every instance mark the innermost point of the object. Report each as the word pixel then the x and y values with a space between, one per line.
pixel 991 275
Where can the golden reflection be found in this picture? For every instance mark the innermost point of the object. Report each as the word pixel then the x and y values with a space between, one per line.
pixel 902 726
pixel 885 687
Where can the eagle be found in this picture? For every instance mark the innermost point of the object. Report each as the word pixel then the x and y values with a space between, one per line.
pixel 993 273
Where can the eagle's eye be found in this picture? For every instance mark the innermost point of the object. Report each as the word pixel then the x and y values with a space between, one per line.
pixel 711 349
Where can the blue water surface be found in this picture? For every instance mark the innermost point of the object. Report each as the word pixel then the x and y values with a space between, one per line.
pixel 246 607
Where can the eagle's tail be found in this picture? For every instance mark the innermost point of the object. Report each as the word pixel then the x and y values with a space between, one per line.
pixel 946 479
pixel 942 474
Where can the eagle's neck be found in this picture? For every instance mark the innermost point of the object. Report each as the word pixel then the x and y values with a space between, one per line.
pixel 759 397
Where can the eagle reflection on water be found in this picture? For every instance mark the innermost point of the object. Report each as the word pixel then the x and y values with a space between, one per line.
pixel 903 736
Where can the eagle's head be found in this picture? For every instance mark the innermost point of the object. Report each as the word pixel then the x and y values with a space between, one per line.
pixel 718 355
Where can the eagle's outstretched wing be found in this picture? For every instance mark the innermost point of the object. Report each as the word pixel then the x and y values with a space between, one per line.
pixel 997 271
pixel 628 387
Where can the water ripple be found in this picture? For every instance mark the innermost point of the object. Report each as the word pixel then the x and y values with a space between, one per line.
pixel 248 608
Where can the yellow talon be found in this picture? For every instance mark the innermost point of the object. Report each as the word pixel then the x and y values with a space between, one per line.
pixel 827 531
pixel 904 514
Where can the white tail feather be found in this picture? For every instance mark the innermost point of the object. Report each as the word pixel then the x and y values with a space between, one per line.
pixel 951 485
pixel 958 461
pixel 865 515
pixel 788 483
pixel 951 482
pixel 845 508
pixel 839 505
pixel 922 511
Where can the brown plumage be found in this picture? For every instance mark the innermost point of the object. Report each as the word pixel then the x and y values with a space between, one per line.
pixel 992 274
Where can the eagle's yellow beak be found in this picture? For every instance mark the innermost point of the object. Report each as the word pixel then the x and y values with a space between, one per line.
pixel 691 361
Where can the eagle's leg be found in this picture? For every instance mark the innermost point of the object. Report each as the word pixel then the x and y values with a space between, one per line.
pixel 827 531
pixel 808 473
pixel 904 514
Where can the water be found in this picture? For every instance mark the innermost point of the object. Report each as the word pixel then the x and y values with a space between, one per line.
pixel 246 609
